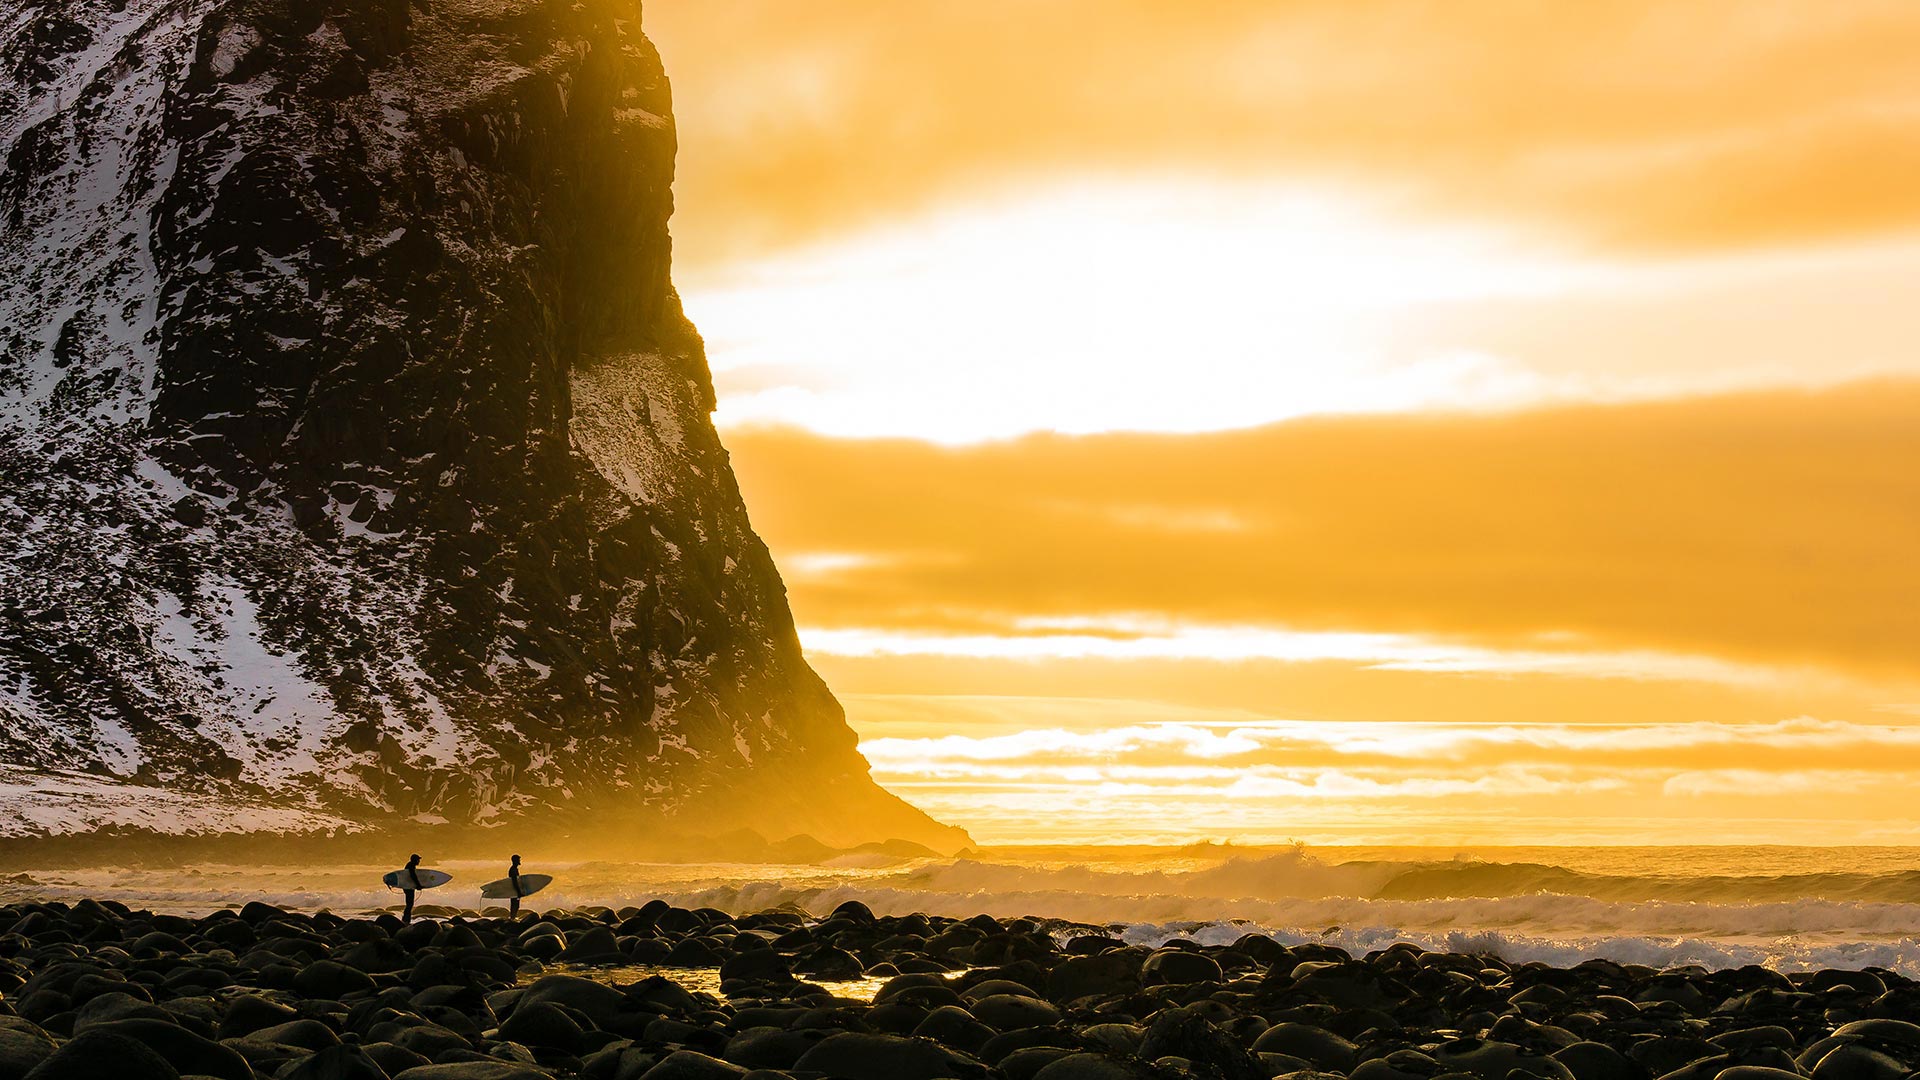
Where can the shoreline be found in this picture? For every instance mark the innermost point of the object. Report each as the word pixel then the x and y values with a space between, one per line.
pixel 96 988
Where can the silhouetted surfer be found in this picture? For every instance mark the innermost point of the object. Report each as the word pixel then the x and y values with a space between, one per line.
pixel 409 882
pixel 513 875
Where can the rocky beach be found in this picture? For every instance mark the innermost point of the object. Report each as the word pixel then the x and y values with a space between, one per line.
pixel 96 989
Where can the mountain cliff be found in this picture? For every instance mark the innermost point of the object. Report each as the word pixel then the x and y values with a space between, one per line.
pixel 357 453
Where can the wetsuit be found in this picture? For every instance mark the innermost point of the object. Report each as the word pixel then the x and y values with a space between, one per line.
pixel 513 905
pixel 407 915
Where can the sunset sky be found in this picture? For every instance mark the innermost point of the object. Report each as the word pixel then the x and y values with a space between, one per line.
pixel 1382 422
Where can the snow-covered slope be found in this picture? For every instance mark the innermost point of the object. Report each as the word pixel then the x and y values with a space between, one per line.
pixel 357 454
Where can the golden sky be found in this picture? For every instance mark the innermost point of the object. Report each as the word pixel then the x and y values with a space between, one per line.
pixel 1381 421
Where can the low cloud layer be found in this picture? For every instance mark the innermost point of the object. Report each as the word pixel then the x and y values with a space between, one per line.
pixel 1769 530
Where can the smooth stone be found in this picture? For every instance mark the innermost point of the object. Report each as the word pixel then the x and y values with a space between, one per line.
pixel 853 911
pixel 954 1026
pixel 1106 975
pixel 1669 1052
pixel 593 946
pixel 689 1065
pixel 393 1057
pixel 771 1048
pixel 338 1062
pixel 251 1012
pixel 428 1039
pixel 331 979
pixel 1865 982
pixel 1317 1045
pixel 1087 1066
pixel 598 1002
pixel 543 1023
pixel 1013 1012
pixel 757 964
pixel 1749 1038
pixel 475 1070
pixel 852 1055
pixel 104 1008
pixel 1598 1061
pixel 1026 1064
pixel 1178 966
pixel 99 1054
pixel 22 1048
pixel 184 1050
pixel 830 963
pixel 925 989
pixel 306 1034
pixel 1883 1030
pixel 1856 1062
pixel 1398 1065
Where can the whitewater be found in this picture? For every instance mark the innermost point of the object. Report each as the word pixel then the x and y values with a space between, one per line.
pixel 1791 909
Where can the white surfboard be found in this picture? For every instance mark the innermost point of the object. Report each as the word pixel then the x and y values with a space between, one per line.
pixel 502 889
pixel 429 879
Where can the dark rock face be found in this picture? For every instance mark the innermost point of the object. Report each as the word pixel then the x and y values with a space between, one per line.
pixel 357 452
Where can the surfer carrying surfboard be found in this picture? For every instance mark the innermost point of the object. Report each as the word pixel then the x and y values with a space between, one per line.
pixel 514 886
pixel 411 880
pixel 409 883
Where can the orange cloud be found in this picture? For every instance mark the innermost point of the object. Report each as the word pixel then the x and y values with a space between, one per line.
pixel 1709 123
pixel 1772 528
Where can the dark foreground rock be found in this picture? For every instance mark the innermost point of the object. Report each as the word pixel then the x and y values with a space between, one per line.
pixel 95 990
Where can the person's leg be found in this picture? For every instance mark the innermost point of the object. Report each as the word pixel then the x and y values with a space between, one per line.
pixel 513 908
pixel 407 915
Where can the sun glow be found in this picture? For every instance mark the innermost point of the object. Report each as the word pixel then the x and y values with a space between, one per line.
pixel 1531 402
pixel 1170 306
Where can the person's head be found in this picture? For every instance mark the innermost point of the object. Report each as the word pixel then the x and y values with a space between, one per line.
pixel 413 860
pixel 516 860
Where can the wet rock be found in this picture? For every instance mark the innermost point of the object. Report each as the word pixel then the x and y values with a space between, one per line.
pixel 543 1023
pixel 331 979
pixel 1598 1061
pixel 475 1070
pixel 1013 1012
pixel 760 964
pixel 1321 1047
pixel 597 945
pixel 956 1027
pixel 337 1063
pixel 1854 1061
pixel 306 1034
pixel 184 1050
pixel 21 1048
pixel 1025 1064
pixel 104 1054
pixel 251 1012
pixel 771 1048
pixel 1087 1066
pixel 1106 975
pixel 597 1001
pixel 688 1065
pixel 394 1058
pixel 861 1056
pixel 1188 1035
pixel 830 963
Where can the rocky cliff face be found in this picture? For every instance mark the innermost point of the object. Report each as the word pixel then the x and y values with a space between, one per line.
pixel 357 457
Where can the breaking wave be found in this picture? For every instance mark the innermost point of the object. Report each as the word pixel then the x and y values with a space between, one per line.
pixel 1656 908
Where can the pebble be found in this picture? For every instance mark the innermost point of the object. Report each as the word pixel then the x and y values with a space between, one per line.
pixel 93 990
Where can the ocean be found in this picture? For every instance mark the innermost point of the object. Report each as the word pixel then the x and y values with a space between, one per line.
pixel 1788 908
